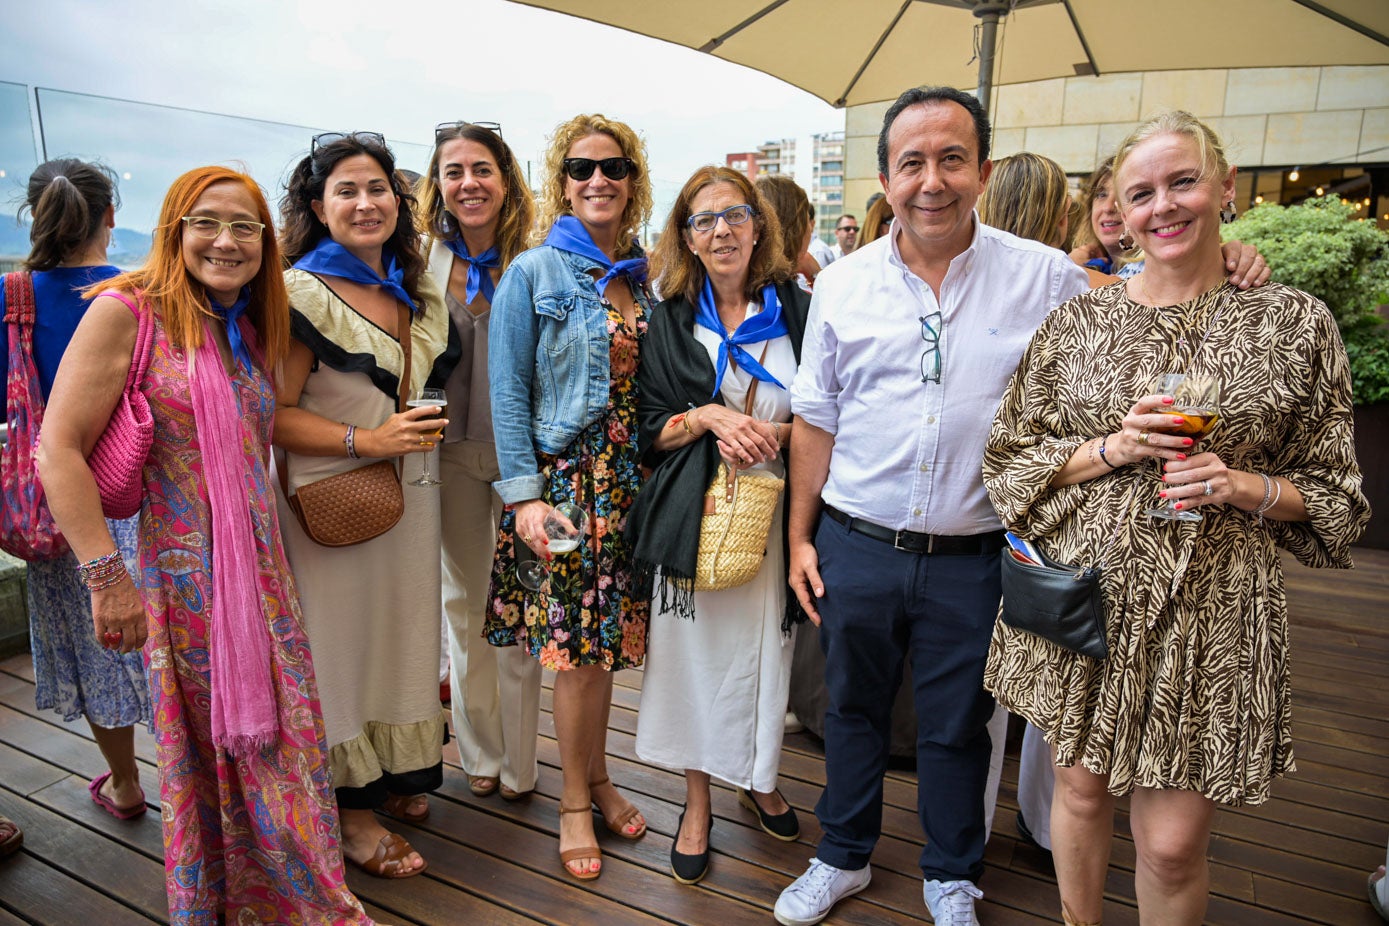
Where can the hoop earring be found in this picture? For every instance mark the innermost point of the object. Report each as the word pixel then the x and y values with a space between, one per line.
pixel 1228 214
pixel 1126 240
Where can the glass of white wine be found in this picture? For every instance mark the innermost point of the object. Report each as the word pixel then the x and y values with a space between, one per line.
pixel 1195 399
pixel 429 396
pixel 565 527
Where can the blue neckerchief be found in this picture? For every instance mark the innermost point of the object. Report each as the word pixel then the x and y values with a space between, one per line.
pixel 569 234
pixel 479 280
pixel 764 326
pixel 1102 264
pixel 337 261
pixel 232 316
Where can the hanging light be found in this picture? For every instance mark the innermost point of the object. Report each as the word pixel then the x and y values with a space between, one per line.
pixel 1293 175
pixel 1258 200
pixel 1367 200
pixel 1321 191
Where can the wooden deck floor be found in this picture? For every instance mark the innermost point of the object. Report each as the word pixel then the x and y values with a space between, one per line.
pixel 1301 858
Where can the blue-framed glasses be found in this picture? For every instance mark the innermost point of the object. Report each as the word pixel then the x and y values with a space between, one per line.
pixel 930 360
pixel 733 215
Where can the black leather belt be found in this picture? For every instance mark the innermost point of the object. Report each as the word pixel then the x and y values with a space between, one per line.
pixel 914 542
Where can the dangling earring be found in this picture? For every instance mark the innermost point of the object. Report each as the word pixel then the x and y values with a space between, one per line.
pixel 1126 240
pixel 1228 214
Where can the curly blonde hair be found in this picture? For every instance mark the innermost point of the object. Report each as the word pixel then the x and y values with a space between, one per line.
pixel 552 203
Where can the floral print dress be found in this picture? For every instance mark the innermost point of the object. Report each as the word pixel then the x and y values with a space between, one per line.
pixel 590 613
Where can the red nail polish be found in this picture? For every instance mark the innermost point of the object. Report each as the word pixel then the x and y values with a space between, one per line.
pixel 1178 506
pixel 1164 478
pixel 1167 400
pixel 1181 456
pixel 1188 442
pixel 1162 495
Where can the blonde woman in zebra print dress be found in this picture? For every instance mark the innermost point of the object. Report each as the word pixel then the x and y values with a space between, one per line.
pixel 1192 707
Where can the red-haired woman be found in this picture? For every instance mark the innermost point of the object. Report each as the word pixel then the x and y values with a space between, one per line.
pixel 250 831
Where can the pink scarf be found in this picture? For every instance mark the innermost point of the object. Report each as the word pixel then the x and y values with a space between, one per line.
pixel 243 699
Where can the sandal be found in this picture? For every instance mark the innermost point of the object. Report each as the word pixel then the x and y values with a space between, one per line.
pixel 483 785
pixel 573 855
pixel 108 805
pixel 617 825
pixel 1373 885
pixel 398 806
pixel 509 794
pixel 389 860
pixel 11 837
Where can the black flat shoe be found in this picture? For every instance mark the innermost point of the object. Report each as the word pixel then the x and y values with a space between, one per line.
pixel 689 869
pixel 783 826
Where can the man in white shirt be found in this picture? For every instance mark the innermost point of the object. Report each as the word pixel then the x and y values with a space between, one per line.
pixel 846 236
pixel 909 346
pixel 824 254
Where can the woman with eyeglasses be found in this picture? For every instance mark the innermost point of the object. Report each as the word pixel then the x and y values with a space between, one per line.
pixel 76 674
pixel 476 212
pixel 713 699
pixel 357 291
pixel 250 832
pixel 568 322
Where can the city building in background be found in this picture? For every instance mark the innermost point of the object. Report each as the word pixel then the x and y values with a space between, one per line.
pixel 827 182
pixel 1294 133
pixel 744 162
pixel 777 157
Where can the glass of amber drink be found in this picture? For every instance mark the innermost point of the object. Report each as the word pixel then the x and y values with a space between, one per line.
pixel 1195 399
pixel 429 396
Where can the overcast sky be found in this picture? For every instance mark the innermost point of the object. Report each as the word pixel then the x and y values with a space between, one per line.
pixel 401 67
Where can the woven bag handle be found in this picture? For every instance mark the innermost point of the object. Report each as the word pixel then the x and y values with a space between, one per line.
pixel 19 298
pixel 144 338
pixel 731 485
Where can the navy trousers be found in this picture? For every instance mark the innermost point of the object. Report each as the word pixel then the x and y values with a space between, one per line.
pixel 881 605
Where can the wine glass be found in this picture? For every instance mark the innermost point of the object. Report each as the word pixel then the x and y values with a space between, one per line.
pixel 427 397
pixel 1195 399
pixel 565 526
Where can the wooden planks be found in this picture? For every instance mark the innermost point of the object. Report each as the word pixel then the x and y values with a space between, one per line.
pixel 1300 858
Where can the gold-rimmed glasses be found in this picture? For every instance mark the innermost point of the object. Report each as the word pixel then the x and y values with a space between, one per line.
pixel 205 226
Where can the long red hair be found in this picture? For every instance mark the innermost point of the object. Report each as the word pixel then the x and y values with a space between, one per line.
pixel 181 298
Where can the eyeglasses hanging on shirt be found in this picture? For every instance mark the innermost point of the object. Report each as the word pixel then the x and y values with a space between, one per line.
pixel 930 360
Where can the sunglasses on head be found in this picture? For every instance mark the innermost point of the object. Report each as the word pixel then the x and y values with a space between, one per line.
pixel 324 139
pixel 613 168
pixel 444 128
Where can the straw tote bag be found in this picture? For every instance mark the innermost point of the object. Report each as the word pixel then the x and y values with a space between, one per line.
pixel 353 507
pixel 733 533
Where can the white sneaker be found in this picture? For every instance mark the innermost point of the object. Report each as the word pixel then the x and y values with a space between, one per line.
pixel 951 902
pixel 810 897
pixel 792 723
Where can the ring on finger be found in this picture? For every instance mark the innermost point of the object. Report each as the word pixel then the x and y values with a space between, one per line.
pixel 1143 438
pixel 1209 489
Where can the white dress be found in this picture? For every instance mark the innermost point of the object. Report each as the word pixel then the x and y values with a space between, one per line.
pixel 714 692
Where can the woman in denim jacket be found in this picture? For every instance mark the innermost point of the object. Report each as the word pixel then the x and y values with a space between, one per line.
pixel 567 324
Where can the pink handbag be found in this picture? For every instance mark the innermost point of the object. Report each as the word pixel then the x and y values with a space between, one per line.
pixel 118 458
pixel 26 525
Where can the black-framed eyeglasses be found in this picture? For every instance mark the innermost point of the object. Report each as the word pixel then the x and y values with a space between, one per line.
pixel 733 215
pixel 930 360
pixel 324 139
pixel 205 226
pixel 443 128
pixel 581 169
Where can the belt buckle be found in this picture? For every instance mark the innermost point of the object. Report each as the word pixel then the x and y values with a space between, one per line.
pixel 914 548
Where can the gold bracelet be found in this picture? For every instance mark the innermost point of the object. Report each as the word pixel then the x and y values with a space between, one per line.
pixel 686 422
pixel 776 429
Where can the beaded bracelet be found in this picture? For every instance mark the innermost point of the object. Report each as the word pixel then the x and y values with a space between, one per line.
pixel 350 439
pixel 102 572
pixel 1102 456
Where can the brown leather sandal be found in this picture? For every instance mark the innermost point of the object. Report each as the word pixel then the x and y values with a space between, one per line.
pixel 398 806
pixel 389 860
pixel 617 825
pixel 483 785
pixel 584 852
pixel 1070 920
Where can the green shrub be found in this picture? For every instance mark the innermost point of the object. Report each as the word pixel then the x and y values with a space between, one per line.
pixel 1321 248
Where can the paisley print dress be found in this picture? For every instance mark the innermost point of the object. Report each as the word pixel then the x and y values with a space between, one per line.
pixel 251 839
pixel 1195 692
pixel 590 613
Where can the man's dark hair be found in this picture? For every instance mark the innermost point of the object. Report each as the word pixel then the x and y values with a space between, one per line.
pixel 846 215
pixel 918 95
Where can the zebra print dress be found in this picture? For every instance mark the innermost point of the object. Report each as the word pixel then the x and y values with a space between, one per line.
pixel 1195 692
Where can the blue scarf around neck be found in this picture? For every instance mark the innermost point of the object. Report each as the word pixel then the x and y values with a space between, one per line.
pixel 569 234
pixel 333 259
pixel 479 280
pixel 232 315
pixel 764 326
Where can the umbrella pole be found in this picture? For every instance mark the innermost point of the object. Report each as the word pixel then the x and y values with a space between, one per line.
pixel 989 12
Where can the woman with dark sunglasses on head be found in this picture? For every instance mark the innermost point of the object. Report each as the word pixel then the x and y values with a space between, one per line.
pixel 568 322
pixel 359 297
pixel 476 213
pixel 720 357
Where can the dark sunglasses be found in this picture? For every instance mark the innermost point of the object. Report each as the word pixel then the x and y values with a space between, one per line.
pixel 613 168
pixel 324 139
pixel 444 128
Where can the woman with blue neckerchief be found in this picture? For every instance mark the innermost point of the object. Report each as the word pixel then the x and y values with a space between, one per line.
pixel 372 609
pixel 567 325
pixel 476 212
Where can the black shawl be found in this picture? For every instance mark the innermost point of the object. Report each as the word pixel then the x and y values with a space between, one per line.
pixel 676 375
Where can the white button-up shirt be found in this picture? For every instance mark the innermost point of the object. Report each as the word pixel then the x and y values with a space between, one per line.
pixel 908 454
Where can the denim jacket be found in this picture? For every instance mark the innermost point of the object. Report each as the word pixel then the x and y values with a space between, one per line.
pixel 547 362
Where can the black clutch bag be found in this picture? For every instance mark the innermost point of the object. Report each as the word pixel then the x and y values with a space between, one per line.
pixel 1059 603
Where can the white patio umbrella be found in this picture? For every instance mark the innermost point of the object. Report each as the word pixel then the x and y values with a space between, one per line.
pixel 848 52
